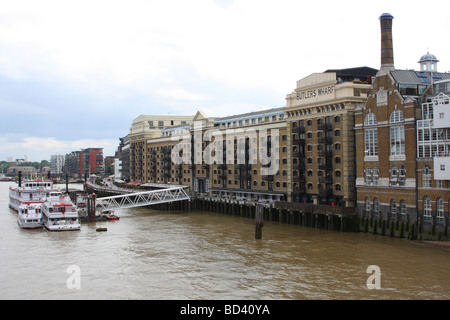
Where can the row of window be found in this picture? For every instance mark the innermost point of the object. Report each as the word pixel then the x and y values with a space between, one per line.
pixel 397 175
pixel 318 110
pixel 395 209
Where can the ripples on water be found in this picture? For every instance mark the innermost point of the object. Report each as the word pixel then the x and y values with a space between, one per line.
pixel 179 255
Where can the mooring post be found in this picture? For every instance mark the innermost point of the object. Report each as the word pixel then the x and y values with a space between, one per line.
pixel 91 207
pixel 259 221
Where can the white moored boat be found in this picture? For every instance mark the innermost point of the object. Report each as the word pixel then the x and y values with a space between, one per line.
pixel 30 216
pixel 60 213
pixel 29 192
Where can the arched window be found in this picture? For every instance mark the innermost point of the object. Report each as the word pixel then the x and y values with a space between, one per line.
pixel 375 174
pixel 393 209
pixel 403 209
pixel 427 208
pixel 376 206
pixel 368 175
pixel 396 116
pixel 367 206
pixel 401 176
pixel 426 176
pixel 370 119
pixel 394 176
pixel 440 210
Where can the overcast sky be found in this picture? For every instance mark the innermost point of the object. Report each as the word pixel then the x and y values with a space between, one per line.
pixel 74 74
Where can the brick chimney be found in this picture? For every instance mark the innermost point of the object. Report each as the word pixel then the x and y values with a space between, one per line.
pixel 387 48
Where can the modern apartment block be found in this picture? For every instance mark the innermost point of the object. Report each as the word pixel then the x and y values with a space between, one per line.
pixel 87 161
pixel 56 164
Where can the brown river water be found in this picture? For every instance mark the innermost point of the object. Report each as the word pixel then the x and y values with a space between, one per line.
pixel 150 254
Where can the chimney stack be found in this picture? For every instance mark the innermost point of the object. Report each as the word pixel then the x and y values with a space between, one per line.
pixel 387 48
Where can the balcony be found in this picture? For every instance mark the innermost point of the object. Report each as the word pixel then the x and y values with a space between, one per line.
pixel 325 192
pixel 298 129
pixel 325 126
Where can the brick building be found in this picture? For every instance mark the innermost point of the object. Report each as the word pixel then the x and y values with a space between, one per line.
pixel 394 156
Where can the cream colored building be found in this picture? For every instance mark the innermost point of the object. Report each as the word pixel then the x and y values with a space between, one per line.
pixel 143 128
pixel 320 123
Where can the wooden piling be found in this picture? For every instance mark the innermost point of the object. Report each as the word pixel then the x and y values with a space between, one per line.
pixel 259 213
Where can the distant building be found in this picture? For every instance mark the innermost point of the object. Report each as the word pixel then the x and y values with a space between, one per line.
pixel 27 171
pixel 85 162
pixel 57 164
pixel 123 155
pixel 143 128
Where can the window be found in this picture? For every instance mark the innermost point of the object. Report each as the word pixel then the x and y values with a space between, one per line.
pixel 440 210
pixel 422 77
pixel 397 141
pixel 402 176
pixel 393 209
pixel 427 208
pixel 371 142
pixel 396 116
pixel 394 176
pixel 370 119
pixel 426 177
pixel 368 175
pixel 376 206
pixel 375 175
pixel 367 206
pixel 403 209
pixel 337 133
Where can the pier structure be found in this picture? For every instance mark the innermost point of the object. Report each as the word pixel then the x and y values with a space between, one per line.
pixel 141 199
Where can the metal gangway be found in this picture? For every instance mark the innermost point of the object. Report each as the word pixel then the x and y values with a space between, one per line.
pixel 140 199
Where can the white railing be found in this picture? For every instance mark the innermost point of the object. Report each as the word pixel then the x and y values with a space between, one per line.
pixel 140 199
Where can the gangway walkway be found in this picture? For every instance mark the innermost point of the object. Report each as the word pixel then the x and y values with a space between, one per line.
pixel 140 199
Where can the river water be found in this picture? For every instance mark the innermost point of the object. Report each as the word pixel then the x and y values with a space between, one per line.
pixel 196 255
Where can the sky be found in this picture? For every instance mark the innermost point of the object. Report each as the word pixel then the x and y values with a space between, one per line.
pixel 74 74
